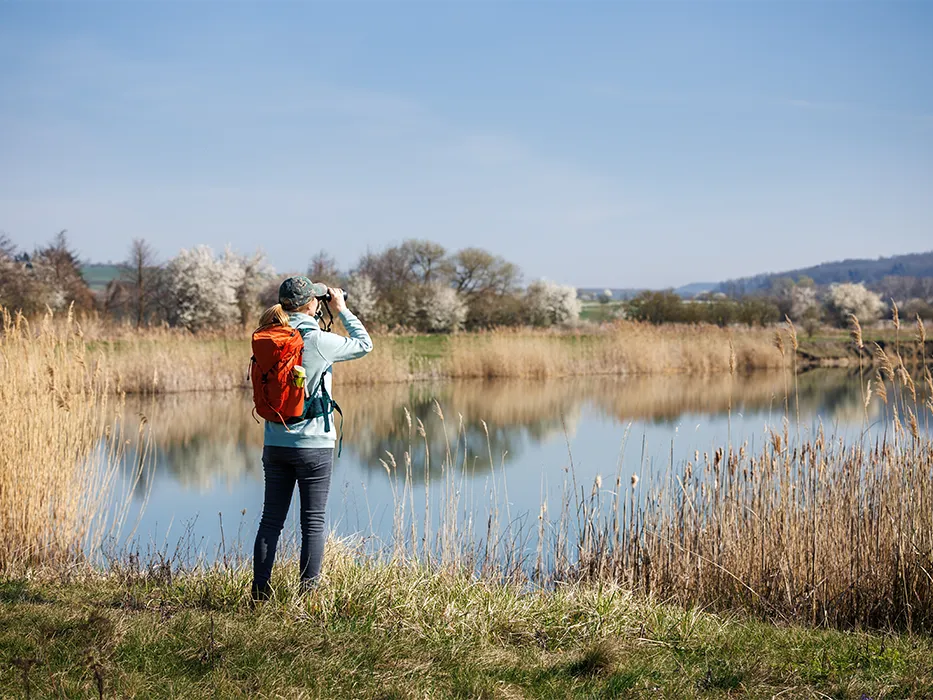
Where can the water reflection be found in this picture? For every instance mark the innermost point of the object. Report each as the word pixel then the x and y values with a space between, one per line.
pixel 206 440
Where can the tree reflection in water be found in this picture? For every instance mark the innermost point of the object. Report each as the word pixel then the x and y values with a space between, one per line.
pixel 205 438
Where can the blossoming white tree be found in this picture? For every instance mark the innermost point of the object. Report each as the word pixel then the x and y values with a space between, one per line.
pixel 363 296
pixel 846 299
pixel 548 303
pixel 435 307
pixel 254 273
pixel 203 289
pixel 803 303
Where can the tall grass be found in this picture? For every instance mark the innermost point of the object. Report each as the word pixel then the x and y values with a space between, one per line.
pixel 624 349
pixel 164 360
pixel 827 530
pixel 60 449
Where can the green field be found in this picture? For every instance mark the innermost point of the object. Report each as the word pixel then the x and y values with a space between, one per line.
pixel 597 313
pixel 98 276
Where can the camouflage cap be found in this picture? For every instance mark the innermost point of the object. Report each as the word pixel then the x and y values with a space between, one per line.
pixel 295 292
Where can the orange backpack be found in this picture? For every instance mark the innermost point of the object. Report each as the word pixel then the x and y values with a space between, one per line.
pixel 276 352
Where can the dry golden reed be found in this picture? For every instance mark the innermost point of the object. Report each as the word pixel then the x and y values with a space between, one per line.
pixel 167 360
pixel 625 349
pixel 60 449
pixel 806 528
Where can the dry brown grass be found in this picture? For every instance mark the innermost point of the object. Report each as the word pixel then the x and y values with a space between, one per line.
pixel 808 528
pixel 625 349
pixel 60 449
pixel 163 360
pixel 812 529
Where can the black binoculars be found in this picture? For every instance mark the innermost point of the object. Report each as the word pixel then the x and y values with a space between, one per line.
pixel 327 297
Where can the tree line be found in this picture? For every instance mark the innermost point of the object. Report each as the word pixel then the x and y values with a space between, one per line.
pixel 415 285
pixel 802 300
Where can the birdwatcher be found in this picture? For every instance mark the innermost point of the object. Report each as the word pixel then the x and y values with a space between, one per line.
pixel 291 371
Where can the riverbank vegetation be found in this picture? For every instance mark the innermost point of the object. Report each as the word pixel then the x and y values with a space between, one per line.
pixel 829 532
pixel 418 286
pixel 61 446
pixel 165 360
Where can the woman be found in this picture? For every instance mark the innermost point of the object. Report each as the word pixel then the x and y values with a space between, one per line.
pixel 303 452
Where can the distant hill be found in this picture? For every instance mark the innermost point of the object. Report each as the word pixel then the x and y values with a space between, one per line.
pixel 98 275
pixel 688 291
pixel 853 270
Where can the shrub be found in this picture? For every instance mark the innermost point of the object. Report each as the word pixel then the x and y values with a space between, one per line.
pixel 363 296
pixel 203 290
pixel 853 299
pixel 548 304
pixel 436 308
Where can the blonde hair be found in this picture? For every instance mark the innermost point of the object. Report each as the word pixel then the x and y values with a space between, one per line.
pixel 273 316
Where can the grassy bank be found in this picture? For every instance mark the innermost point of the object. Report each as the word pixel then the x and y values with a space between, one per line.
pixel 397 631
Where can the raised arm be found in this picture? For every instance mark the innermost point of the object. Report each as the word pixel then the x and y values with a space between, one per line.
pixel 336 348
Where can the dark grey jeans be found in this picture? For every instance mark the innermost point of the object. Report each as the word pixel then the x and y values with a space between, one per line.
pixel 310 468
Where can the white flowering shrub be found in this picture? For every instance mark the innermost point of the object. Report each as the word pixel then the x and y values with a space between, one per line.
pixel 437 308
pixel 254 275
pixel 548 304
pixel 804 303
pixel 363 296
pixel 202 289
pixel 845 299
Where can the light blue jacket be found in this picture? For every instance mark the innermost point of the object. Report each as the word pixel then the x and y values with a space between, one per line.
pixel 321 350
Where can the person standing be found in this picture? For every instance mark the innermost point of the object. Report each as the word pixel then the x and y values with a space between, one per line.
pixel 302 452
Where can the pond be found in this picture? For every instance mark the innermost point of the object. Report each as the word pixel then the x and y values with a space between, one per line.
pixel 513 445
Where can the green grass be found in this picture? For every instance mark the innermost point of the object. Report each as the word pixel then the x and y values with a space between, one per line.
pixel 596 312
pixel 426 347
pixel 379 631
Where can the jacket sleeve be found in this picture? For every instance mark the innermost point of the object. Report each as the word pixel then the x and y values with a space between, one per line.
pixel 336 348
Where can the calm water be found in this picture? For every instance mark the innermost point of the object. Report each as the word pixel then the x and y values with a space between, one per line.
pixel 207 467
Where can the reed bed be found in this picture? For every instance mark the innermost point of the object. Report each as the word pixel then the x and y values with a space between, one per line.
pixel 623 349
pixel 61 448
pixel 169 360
pixel 809 528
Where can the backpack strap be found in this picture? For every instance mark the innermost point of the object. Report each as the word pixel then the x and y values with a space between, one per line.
pixel 322 406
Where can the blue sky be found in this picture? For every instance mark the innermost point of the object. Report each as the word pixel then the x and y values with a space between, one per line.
pixel 595 143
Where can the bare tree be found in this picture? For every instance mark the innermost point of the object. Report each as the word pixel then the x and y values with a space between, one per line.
pixel 19 288
pixel 139 273
pixel 7 248
pixel 58 267
pixel 427 261
pixel 323 268
pixel 476 271
pixel 391 274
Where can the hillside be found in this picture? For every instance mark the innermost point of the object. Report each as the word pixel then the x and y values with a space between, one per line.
pixel 851 270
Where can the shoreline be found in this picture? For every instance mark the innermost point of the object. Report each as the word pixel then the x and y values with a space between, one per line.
pixel 164 362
